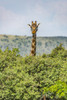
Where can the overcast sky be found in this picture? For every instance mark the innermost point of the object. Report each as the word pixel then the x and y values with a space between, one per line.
pixel 16 14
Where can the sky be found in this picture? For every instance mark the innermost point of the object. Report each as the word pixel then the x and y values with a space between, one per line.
pixel 15 15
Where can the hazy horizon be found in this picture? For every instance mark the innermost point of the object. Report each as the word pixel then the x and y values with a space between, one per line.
pixel 30 35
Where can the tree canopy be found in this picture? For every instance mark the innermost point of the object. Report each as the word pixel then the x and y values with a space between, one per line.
pixel 29 78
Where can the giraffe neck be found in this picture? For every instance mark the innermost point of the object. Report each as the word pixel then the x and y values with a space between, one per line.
pixel 33 46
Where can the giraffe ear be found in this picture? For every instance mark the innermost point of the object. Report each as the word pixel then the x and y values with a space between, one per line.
pixel 29 25
pixel 38 24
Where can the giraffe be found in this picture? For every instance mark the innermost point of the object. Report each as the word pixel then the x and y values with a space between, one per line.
pixel 34 28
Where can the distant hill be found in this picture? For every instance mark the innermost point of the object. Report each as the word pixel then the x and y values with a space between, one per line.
pixel 44 44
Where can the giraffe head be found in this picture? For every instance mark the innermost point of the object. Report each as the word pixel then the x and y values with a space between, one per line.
pixel 34 27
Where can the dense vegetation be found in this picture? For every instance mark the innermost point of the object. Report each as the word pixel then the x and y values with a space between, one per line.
pixel 44 44
pixel 29 78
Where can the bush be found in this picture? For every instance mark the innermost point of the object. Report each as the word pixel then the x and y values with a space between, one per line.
pixel 29 78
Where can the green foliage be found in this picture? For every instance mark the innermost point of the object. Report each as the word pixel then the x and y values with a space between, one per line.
pixel 58 50
pixel 57 90
pixel 8 58
pixel 44 55
pixel 29 78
